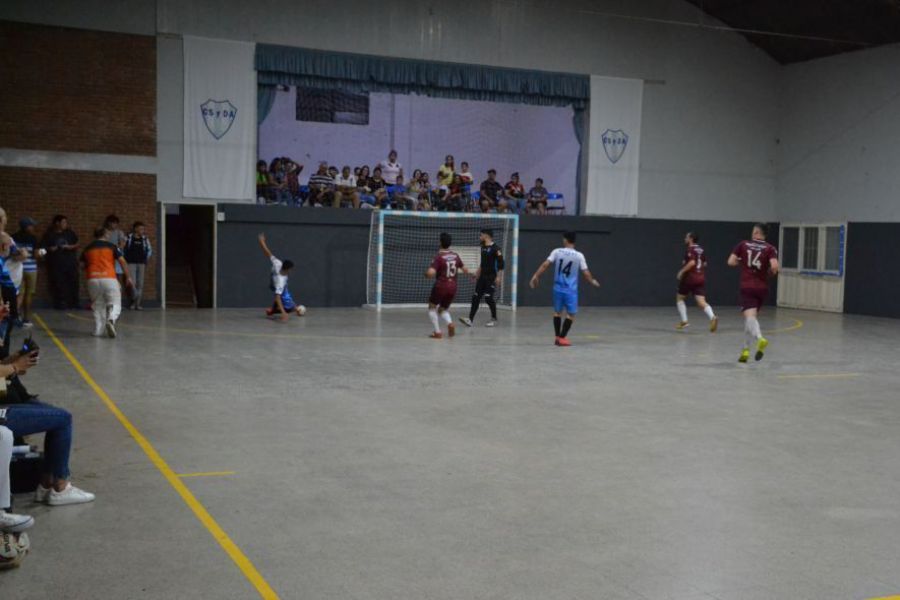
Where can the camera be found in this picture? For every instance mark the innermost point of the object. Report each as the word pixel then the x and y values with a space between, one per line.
pixel 30 346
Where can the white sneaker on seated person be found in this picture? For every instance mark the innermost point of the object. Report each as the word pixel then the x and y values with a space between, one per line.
pixel 69 495
pixel 12 523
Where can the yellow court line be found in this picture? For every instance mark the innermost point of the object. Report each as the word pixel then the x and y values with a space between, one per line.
pixel 207 474
pixel 821 376
pixel 230 548
pixel 887 598
pixel 797 325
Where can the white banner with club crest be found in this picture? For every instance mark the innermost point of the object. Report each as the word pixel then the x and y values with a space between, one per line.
pixel 615 146
pixel 219 120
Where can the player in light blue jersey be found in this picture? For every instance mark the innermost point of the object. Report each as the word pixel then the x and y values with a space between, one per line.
pixel 567 263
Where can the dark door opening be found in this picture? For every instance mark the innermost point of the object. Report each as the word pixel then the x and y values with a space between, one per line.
pixel 189 255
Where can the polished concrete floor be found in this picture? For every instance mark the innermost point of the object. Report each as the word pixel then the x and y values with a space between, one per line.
pixel 370 462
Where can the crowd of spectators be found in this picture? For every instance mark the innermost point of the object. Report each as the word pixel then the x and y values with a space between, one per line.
pixel 386 186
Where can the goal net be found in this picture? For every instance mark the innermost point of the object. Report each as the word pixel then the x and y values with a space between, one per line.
pixel 403 243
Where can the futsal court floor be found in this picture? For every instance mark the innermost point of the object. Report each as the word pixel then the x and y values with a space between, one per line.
pixel 346 456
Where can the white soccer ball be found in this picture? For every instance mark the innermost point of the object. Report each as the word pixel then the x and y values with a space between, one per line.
pixel 42 252
pixel 13 548
pixel 301 310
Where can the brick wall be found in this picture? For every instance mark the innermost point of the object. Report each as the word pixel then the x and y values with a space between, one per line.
pixel 77 91
pixel 86 198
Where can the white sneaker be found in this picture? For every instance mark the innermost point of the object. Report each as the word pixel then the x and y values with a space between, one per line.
pixel 466 321
pixel 111 328
pixel 12 523
pixel 41 494
pixel 491 323
pixel 70 495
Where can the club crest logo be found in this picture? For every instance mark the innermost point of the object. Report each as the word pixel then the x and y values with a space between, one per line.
pixel 614 143
pixel 218 116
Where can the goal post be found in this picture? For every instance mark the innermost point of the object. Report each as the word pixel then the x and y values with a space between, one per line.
pixel 403 243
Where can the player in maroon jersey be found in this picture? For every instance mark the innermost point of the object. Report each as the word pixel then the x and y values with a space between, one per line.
pixel 692 282
pixel 758 260
pixel 444 269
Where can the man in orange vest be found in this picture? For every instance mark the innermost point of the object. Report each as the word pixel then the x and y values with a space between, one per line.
pixel 100 258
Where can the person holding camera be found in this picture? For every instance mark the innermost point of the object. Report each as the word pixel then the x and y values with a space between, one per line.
pixel 26 416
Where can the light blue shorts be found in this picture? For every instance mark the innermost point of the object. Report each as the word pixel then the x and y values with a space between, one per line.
pixel 567 300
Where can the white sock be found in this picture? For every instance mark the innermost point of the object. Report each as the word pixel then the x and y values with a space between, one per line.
pixel 682 310
pixel 753 325
pixel 432 314
pixel 446 317
pixel 748 334
pixel 709 312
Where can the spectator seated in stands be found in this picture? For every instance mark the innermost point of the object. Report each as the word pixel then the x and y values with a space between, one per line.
pixel 426 190
pixel 345 189
pixel 279 185
pixel 465 174
pixel 492 193
pixel 366 198
pixel 537 198
pixel 401 197
pixel 292 174
pixel 263 183
pixel 377 186
pixel 515 194
pixel 454 200
pixel 321 187
pixel 26 416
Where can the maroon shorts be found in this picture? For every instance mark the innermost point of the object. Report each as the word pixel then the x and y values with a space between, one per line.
pixel 442 296
pixel 753 298
pixel 687 287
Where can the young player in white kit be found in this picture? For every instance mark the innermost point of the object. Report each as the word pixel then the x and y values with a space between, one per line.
pixel 567 262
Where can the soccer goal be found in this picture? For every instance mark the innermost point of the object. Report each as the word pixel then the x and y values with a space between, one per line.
pixel 403 243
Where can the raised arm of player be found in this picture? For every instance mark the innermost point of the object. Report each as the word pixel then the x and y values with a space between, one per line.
pixel 590 278
pixel 690 265
pixel 262 244
pixel 535 279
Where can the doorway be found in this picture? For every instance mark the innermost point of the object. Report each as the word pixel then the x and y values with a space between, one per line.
pixel 190 267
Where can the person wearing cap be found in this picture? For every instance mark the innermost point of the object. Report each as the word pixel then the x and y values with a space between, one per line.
pixel 492 193
pixel 515 194
pixel 26 240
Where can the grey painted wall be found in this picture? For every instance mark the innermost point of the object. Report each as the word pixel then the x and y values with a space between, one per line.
pixel 839 150
pixel 709 118
pixel 635 259
pixel 123 16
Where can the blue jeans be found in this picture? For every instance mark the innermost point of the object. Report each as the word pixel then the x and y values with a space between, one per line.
pixel 36 417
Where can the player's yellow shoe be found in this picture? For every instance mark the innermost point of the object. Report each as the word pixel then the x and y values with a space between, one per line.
pixel 713 324
pixel 682 325
pixel 745 355
pixel 761 346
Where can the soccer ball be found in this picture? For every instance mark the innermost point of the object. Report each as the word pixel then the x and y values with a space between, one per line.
pixel 13 548
pixel 301 310
pixel 41 252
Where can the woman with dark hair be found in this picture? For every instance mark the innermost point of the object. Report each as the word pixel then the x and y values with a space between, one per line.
pixel 61 245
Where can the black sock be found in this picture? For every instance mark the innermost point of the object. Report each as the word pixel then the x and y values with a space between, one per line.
pixel 474 308
pixel 565 327
pixel 557 321
pixel 492 305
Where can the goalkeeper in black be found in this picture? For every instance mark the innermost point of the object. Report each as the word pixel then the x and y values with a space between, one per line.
pixel 489 275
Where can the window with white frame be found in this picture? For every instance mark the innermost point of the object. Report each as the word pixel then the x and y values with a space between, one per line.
pixel 813 249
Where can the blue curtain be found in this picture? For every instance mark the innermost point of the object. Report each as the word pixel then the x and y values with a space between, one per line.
pixel 578 122
pixel 265 98
pixel 303 67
